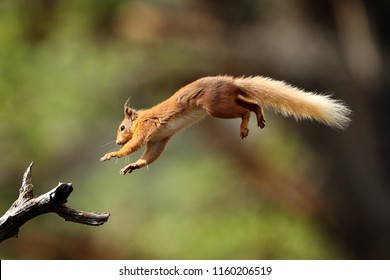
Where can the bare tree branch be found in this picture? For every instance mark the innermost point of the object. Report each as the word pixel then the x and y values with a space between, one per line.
pixel 28 206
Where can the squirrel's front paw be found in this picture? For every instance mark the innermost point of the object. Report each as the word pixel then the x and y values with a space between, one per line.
pixel 107 157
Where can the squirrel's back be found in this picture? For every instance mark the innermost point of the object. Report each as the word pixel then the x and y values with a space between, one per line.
pixel 217 95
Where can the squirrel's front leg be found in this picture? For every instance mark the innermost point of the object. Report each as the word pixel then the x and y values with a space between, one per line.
pixel 128 148
pixel 152 152
pixel 133 145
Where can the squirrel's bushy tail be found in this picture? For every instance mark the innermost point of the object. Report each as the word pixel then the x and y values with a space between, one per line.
pixel 291 101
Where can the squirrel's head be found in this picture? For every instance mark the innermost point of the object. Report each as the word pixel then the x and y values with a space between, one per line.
pixel 126 128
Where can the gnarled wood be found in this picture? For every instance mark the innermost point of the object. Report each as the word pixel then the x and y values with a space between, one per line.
pixel 28 206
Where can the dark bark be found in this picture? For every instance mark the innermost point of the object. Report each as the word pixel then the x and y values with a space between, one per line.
pixel 28 206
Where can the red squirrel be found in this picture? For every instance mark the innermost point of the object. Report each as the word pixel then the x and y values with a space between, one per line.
pixel 221 97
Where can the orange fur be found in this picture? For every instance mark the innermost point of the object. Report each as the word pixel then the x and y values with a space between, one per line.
pixel 221 97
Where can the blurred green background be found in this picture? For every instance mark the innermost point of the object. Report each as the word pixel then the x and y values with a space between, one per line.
pixel 290 191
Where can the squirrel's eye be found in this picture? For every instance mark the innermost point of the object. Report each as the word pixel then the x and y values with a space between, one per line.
pixel 122 127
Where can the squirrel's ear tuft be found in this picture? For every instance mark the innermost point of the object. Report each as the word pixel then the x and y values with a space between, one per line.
pixel 129 112
pixel 127 103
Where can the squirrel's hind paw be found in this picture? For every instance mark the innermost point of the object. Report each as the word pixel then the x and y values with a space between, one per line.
pixel 129 168
pixel 244 132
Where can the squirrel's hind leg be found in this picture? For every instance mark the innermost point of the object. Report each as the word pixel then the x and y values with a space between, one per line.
pixel 252 106
pixel 244 131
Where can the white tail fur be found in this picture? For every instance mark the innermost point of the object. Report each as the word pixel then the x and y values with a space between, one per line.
pixel 291 101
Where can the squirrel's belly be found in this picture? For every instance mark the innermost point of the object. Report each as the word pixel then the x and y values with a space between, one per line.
pixel 178 122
